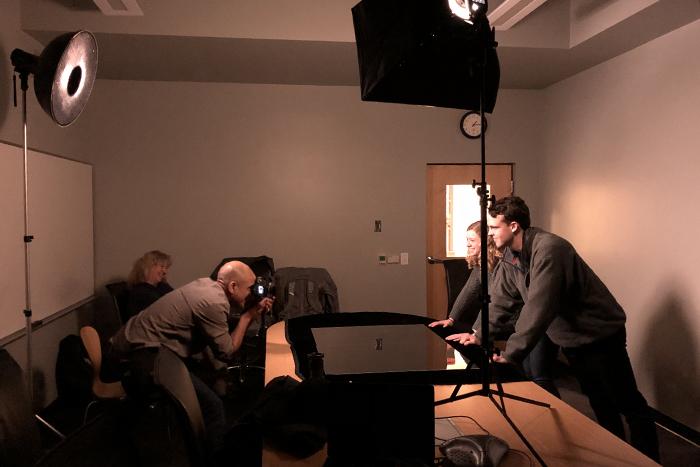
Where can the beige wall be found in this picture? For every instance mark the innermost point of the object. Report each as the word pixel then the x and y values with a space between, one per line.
pixel 299 173
pixel 622 174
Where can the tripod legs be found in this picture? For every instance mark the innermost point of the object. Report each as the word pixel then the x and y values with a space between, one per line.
pixel 488 392
pixel 502 409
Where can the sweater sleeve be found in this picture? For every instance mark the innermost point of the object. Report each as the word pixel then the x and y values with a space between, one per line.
pixel 468 302
pixel 505 304
pixel 546 292
pixel 213 322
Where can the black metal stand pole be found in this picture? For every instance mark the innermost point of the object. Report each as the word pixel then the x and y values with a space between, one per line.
pixel 24 85
pixel 486 345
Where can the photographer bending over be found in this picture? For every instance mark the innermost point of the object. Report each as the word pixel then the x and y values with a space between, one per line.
pixel 191 318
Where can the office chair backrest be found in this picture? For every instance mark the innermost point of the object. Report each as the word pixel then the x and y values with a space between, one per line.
pixel 456 274
pixel 101 390
pixel 172 375
pixel 167 426
pixel 19 435
pixel 119 292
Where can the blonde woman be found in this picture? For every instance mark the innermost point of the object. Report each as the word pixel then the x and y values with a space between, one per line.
pixel 148 280
pixel 467 305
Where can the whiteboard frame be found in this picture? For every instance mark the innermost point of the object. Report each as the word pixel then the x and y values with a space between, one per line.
pixel 60 209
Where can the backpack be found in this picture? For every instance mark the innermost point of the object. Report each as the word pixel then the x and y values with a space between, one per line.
pixel 73 371
pixel 303 291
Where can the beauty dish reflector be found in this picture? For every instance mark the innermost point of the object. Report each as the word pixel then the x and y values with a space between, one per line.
pixel 64 74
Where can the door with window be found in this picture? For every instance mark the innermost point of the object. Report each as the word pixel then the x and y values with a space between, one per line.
pixel 452 205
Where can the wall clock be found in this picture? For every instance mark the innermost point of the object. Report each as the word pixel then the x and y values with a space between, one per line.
pixel 470 125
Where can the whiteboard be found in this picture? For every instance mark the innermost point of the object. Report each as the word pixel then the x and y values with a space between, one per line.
pixel 61 221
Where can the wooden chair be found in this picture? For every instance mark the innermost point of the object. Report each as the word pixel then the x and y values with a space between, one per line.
pixel 101 390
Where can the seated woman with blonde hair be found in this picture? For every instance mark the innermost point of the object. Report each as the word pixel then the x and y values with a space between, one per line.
pixel 148 280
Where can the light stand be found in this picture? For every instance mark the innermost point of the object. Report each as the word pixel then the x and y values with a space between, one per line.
pixel 444 66
pixel 486 347
pixel 63 77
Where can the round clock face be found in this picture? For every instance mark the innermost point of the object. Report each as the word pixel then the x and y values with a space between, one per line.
pixel 471 124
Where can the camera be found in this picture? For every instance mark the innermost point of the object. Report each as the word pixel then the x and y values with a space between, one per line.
pixel 263 287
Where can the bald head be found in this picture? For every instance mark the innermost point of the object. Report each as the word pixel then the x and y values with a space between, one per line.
pixel 235 271
pixel 236 278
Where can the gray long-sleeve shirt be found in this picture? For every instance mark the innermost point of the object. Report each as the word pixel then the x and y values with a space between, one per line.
pixel 468 302
pixel 559 292
pixel 186 320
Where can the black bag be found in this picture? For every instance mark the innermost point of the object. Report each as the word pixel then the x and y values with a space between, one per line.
pixel 73 371
pixel 291 415
pixel 303 291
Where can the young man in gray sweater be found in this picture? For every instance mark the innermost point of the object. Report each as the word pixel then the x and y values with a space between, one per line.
pixel 562 297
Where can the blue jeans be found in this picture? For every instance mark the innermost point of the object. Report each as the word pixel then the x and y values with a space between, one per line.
pixel 539 363
pixel 213 414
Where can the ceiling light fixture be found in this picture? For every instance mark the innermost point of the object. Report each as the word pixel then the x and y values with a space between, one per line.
pixel 119 7
pixel 468 10
pixel 419 52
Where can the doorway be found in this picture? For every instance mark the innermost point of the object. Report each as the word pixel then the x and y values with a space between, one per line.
pixel 452 204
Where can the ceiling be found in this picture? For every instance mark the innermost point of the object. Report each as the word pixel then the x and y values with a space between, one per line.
pixel 312 41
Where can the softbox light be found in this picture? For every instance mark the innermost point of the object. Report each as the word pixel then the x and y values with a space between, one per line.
pixel 418 52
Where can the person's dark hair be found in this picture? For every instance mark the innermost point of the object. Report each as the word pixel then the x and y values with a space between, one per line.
pixel 513 209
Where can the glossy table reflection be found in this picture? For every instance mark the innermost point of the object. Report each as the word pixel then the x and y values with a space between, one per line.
pixel 560 434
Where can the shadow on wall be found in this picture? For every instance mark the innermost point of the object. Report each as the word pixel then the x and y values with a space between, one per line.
pixel 5 84
pixel 672 358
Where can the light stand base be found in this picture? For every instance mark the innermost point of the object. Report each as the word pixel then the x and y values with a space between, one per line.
pixel 489 393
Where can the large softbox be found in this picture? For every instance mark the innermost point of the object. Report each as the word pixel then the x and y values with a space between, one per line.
pixel 418 52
